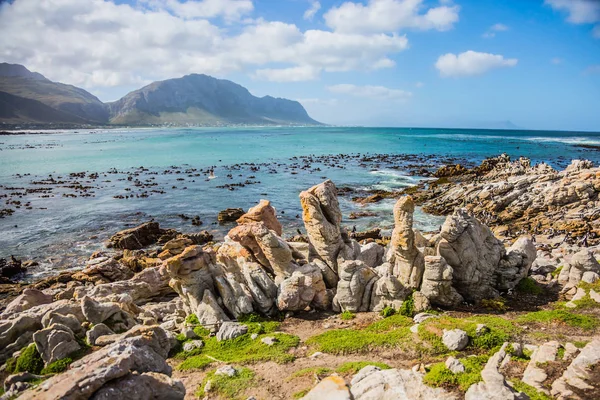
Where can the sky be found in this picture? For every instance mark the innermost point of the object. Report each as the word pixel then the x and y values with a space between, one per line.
pixel 421 63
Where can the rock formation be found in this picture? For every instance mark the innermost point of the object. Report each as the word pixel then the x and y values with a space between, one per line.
pixel 437 283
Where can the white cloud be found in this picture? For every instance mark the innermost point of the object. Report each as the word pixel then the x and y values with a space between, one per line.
pixel 315 6
pixel 390 16
pixel 471 63
pixel 491 32
pixel 374 92
pixel 579 12
pixel 98 43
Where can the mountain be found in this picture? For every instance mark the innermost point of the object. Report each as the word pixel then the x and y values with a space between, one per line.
pixel 203 100
pixel 19 110
pixel 76 102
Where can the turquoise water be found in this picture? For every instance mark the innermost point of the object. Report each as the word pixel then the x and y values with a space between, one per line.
pixel 60 231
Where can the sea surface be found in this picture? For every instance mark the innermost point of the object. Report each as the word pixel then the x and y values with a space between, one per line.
pixel 71 190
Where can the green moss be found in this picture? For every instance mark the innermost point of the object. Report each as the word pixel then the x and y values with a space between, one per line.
pixel 560 354
pixel 192 319
pixel 439 375
pixel 496 304
pixel 556 272
pixel 586 302
pixel 229 387
pixel 258 324
pixel 408 307
pixel 347 316
pixel 318 371
pixel 242 349
pixel 300 394
pixel 585 322
pixel 354 366
pixel 528 286
pixel 11 365
pixel 387 312
pixel 201 331
pixel 530 391
pixel 57 366
pixel 580 344
pixel 195 362
pixel 500 331
pixel 389 332
pixel 29 361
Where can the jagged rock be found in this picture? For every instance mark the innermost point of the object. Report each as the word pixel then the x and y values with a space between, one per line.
pixel 322 220
pixel 235 298
pixel 14 379
pixel 136 238
pixel 174 247
pixel 422 317
pixel 55 342
pixel 305 287
pixel 96 312
pixel 581 263
pixel 145 386
pixel 354 287
pixel 226 370
pixel 200 238
pixel 515 265
pixel 388 292
pixel 371 254
pixel 69 320
pixel 534 375
pixel 437 283
pixel 455 365
pixel 229 215
pixel 409 263
pixel 579 376
pixel 161 342
pixel 87 375
pixel 103 270
pixel 265 213
pixel 420 302
pixel 371 383
pixel 494 386
pixel 97 330
pixel 192 345
pixel 332 388
pixel 231 330
pixel 26 300
pixel 455 339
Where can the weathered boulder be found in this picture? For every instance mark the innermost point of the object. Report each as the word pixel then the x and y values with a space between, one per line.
pixel 581 263
pixel 229 215
pixel 372 383
pixel 579 377
pixel 494 386
pixel 437 283
pixel 55 342
pixel 96 312
pixel 388 292
pixel 103 270
pixel 97 330
pixel 454 365
pixel 26 300
pixel 354 287
pixel 145 386
pixel 136 238
pixel 332 388
pixel 408 261
pixel 371 254
pixel 69 320
pixel 236 298
pixel 534 375
pixel 231 330
pixel 455 339
pixel 304 288
pixel 265 213
pixel 515 265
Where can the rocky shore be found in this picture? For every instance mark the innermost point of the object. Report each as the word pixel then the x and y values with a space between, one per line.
pixel 502 303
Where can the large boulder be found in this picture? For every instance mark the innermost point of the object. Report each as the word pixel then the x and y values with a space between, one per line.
pixel 55 342
pixel 354 287
pixel 236 298
pixel 581 263
pixel 145 386
pixel 263 212
pixel 515 265
pixel 437 283
pixel 408 261
pixel 372 383
pixel 304 288
pixel 231 330
pixel 136 238
pixel 26 300
pixel 388 291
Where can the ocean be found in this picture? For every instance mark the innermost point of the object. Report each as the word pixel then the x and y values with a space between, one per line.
pixel 71 190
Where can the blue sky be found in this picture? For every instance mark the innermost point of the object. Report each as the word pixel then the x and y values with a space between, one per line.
pixel 459 63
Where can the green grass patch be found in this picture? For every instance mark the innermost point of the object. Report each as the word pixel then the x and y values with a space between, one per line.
pixel 353 367
pixel 580 344
pixel 528 285
pixel 556 272
pixel 241 350
pixel 347 316
pixel 530 391
pixel 387 311
pixel 321 372
pixel 57 366
pixel 192 319
pixel 585 322
pixel 408 307
pixel 500 331
pixel 300 394
pixel 440 376
pixel 259 324
pixel 388 332
pixel 226 386
pixel 29 361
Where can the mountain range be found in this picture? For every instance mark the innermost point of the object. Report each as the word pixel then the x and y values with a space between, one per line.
pixel 28 98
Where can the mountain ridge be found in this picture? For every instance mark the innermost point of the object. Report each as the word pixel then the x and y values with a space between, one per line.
pixel 191 100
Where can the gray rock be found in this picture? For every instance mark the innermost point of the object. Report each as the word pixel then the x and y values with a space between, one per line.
pixel 455 365
pixel 26 300
pixel 580 373
pixel 145 386
pixel 331 388
pixel 231 330
pixel 408 261
pixel 455 339
pixel 237 300
pixel 354 287
pixel 192 345
pixel 387 292
pixel 189 333
pixel 96 312
pixel 67 320
pixel 422 317
pixel 55 342
pixel 515 265
pixel 534 375
pixel 371 254
pixel 303 288
pixel 97 330
pixel 437 283
pixel 581 262
pixel 269 341
pixel 227 370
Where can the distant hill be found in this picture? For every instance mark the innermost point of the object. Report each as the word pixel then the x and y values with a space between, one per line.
pixel 202 99
pixel 190 100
